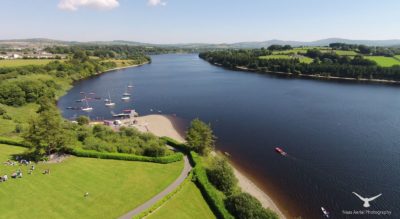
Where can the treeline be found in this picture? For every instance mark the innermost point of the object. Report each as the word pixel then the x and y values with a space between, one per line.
pixel 116 51
pixel 334 65
pixel 367 50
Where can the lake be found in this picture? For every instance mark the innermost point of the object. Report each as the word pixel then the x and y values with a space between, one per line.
pixel 341 137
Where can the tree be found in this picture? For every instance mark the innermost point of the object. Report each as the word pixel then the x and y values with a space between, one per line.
pixel 244 206
pixel 83 120
pixel 221 176
pixel 46 134
pixel 200 137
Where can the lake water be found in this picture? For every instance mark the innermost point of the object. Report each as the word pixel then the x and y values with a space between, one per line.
pixel 340 137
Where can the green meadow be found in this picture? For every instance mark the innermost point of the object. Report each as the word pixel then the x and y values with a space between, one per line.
pixel 23 62
pixel 384 61
pixel 114 187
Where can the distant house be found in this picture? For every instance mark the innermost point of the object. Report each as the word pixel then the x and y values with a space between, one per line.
pixel 16 56
pixel 4 57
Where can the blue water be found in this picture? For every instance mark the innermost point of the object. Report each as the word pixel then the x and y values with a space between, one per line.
pixel 340 137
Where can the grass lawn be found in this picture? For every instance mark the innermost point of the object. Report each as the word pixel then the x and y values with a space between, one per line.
pixel 115 187
pixel 22 62
pixel 384 61
pixel 187 203
pixel 303 59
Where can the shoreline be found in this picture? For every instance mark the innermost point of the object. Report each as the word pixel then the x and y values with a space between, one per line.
pixel 312 76
pixel 123 67
pixel 170 126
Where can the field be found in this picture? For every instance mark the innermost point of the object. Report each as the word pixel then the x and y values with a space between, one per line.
pixel 114 187
pixel 301 58
pixel 345 53
pixel 22 62
pixel 187 203
pixel 384 61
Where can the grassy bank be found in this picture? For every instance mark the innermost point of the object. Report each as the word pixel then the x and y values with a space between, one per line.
pixel 187 203
pixel 114 187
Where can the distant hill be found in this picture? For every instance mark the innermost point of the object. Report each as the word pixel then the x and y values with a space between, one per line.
pixel 322 42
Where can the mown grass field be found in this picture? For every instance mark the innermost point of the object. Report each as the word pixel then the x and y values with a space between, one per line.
pixel 114 187
pixel 187 203
pixel 303 59
pixel 23 62
pixel 384 61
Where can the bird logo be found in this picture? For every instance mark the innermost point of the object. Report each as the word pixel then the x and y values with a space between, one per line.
pixel 366 200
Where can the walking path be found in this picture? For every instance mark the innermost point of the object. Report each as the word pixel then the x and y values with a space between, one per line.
pixel 186 169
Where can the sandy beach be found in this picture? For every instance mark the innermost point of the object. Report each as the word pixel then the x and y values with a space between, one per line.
pixel 163 125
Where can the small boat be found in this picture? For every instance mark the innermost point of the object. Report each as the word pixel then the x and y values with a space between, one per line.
pixel 109 103
pixel 106 100
pixel 130 85
pixel 70 107
pixel 87 108
pixel 82 92
pixel 78 101
pixel 125 98
pixel 127 111
pixel 92 93
pixel 326 213
pixel 126 94
pixel 279 150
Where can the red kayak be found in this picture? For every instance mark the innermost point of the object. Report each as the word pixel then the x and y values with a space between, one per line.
pixel 279 150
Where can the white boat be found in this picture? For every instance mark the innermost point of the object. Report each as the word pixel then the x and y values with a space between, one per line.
pixel 125 98
pixel 130 85
pixel 87 108
pixel 326 213
pixel 126 94
pixel 109 103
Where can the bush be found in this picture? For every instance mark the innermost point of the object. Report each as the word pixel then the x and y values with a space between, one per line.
pixel 6 116
pixel 245 206
pixel 172 142
pixel 130 157
pixel 221 176
pixel 214 198
pixel 18 128
pixel 2 111
pixel 83 120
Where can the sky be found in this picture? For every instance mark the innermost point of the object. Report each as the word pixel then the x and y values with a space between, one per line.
pixel 199 21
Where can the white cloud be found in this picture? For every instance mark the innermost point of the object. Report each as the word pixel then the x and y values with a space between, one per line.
pixel 156 2
pixel 73 5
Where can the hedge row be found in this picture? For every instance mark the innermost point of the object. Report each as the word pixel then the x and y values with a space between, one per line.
pixel 165 199
pixel 213 197
pixel 130 157
pixel 174 143
pixel 12 142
